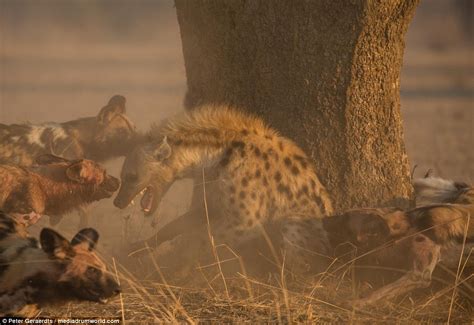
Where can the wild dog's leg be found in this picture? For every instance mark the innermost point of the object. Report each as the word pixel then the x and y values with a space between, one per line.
pixel 305 245
pixel 425 255
pixel 54 220
pixel 27 220
pixel 83 217
pixel 16 302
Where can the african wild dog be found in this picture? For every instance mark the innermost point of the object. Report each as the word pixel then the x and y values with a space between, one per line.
pixel 53 187
pixel 108 135
pixel 443 209
pixel 432 190
pixel 414 240
pixel 58 272
pixel 256 176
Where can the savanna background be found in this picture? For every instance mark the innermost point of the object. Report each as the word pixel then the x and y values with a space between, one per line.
pixel 61 60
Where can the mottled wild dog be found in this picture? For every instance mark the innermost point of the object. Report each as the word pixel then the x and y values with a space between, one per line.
pixel 431 190
pixel 414 240
pixel 256 176
pixel 108 135
pixel 54 186
pixel 58 272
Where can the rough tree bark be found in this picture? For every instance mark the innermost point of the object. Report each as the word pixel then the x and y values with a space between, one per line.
pixel 325 73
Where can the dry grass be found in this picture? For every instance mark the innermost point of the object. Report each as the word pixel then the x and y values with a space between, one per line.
pixel 59 70
pixel 248 300
pixel 213 294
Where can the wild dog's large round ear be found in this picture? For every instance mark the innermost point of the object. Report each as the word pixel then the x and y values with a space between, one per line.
pixel 163 151
pixel 84 171
pixel 429 173
pixel 76 172
pixel 54 244
pixel 115 106
pixel 47 158
pixel 86 237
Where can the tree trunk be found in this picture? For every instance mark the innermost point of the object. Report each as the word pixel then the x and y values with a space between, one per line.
pixel 324 73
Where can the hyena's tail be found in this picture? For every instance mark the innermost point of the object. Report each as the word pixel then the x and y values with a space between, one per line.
pixel 435 190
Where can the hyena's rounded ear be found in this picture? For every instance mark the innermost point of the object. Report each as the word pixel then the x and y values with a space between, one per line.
pixel 163 151
pixel 54 244
pixel 47 159
pixel 115 106
pixel 87 238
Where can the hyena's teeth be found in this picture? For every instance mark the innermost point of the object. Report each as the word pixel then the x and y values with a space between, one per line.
pixel 143 191
pixel 132 202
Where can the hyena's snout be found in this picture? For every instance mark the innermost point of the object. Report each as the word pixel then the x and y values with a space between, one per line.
pixel 124 196
pixel 119 202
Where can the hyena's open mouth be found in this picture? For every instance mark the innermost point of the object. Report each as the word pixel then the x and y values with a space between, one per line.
pixel 147 199
pixel 146 202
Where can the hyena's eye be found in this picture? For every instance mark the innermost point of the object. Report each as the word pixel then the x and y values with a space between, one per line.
pixel 131 177
pixel 93 272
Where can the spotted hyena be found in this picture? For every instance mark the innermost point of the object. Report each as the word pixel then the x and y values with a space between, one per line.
pixel 53 186
pixel 57 271
pixel 252 175
pixel 415 240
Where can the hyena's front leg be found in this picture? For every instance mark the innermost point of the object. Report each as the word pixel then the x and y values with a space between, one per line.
pixel 426 255
pixel 184 224
pixel 204 243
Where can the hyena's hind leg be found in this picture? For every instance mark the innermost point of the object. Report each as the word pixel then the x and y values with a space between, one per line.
pixel 304 245
pixel 425 255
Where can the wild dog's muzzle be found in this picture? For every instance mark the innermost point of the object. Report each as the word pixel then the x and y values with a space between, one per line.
pixel 111 184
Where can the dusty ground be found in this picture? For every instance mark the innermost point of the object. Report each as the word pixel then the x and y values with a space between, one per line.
pixel 62 60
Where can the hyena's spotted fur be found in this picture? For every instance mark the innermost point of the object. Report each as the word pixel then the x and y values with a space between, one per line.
pixel 53 187
pixel 99 138
pixel 256 176
pixel 57 271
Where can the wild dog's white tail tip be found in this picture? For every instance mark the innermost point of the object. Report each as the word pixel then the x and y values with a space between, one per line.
pixel 432 190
